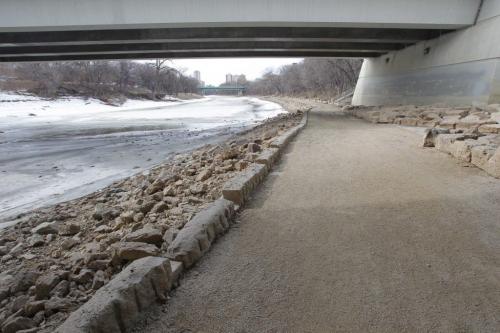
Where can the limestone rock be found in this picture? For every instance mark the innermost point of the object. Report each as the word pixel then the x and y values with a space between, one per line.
pixel 118 303
pixel 135 250
pixel 489 129
pixel 36 240
pixel 204 175
pixel 145 235
pixel 103 229
pixel 198 188
pixel 443 142
pixel 24 280
pixel 170 235
pixel 160 207
pixel 253 148
pixel 270 134
pixel 69 243
pixel 62 289
pixel 56 304
pixel 46 228
pixel 103 213
pixel 99 280
pixel 69 229
pixel 127 217
pixel 6 283
pixel 44 285
pixel 33 307
pixel 16 324
pixel 85 276
pixel 431 135
pixel 147 206
pixel 169 191
pixel 174 201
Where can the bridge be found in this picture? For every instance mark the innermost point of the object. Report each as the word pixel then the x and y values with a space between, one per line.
pixel 239 91
pixel 417 52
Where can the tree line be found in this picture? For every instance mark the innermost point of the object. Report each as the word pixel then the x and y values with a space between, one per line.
pixel 107 80
pixel 312 77
pixel 103 79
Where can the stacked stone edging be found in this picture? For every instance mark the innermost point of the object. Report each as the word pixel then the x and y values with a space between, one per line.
pixel 197 236
pixel 239 188
pixel 470 148
pixel 116 306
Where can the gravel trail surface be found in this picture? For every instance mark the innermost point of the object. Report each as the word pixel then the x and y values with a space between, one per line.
pixel 358 230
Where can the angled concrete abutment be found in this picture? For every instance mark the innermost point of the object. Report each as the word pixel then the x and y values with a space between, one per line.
pixel 458 68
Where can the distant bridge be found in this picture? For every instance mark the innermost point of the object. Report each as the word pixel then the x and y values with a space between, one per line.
pixel 239 91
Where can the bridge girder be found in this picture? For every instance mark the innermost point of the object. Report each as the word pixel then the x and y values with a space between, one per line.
pixel 208 42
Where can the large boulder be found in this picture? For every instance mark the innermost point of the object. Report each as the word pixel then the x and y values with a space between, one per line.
pixel 444 142
pixel 462 149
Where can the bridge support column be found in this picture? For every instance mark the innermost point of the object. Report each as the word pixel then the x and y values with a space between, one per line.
pixel 460 68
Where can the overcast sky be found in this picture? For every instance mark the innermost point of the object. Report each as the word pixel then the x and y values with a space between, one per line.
pixel 213 71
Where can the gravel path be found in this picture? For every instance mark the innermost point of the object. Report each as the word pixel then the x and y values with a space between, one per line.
pixel 358 230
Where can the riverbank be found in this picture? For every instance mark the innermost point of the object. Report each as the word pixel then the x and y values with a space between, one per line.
pixel 54 259
pixel 68 149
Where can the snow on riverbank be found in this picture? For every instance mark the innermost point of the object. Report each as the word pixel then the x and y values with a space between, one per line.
pixel 20 105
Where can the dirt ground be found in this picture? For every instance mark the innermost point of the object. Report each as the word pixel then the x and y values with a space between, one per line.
pixel 358 230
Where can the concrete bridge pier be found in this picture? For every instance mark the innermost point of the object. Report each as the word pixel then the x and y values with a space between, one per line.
pixel 457 68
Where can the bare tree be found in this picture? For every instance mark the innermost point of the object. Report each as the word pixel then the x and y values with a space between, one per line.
pixel 104 79
pixel 311 77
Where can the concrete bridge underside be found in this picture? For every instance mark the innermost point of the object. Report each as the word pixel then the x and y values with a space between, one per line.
pixel 416 52
pixel 110 29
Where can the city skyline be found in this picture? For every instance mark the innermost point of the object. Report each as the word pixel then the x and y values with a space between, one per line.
pixel 213 71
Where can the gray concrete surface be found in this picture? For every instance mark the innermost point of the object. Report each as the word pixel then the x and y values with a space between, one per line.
pixel 46 30
pixel 458 68
pixel 55 15
pixel 358 230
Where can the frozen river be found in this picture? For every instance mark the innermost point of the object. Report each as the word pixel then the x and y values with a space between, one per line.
pixel 56 151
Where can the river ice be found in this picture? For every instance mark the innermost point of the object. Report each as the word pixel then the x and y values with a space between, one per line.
pixel 53 151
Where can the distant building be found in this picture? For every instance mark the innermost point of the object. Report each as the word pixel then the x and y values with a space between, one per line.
pixel 232 79
pixel 197 75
